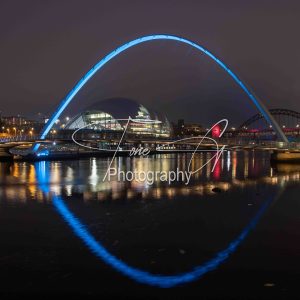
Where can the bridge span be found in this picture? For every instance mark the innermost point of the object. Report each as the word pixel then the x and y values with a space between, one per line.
pixel 66 149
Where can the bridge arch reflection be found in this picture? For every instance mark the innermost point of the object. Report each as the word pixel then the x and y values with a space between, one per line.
pixel 142 276
pixel 163 281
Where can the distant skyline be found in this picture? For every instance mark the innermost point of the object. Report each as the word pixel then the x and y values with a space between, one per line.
pixel 46 47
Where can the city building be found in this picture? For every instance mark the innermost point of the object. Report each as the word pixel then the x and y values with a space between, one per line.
pixel 108 118
pixel 187 129
pixel 11 126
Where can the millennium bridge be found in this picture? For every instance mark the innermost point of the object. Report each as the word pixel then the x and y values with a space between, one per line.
pixel 247 136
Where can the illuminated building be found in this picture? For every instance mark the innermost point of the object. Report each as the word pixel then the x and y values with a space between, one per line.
pixel 192 129
pixel 187 129
pixel 110 117
pixel 11 126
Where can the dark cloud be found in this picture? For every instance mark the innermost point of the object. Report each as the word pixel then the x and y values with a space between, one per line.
pixel 46 46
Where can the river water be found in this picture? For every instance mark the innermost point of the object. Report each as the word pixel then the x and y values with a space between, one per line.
pixel 232 232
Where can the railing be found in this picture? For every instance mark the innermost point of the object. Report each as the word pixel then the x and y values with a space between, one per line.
pixel 19 138
pixel 255 143
pixel 227 141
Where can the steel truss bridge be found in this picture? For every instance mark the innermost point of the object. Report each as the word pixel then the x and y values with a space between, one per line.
pixel 286 118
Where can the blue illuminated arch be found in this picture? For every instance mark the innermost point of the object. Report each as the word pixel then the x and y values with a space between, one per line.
pixel 163 281
pixel 65 102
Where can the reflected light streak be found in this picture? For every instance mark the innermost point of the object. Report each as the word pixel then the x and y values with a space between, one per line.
pixel 234 165
pixel 228 161
pixel 246 165
pixel 164 281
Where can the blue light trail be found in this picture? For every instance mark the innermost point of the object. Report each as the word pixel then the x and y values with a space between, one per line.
pixel 163 281
pixel 65 102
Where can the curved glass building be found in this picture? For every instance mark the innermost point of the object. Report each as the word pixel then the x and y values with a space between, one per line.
pixel 111 115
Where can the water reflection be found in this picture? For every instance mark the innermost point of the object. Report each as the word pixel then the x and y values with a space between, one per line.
pixel 46 181
pixel 139 275
pixel 18 180
pixel 145 277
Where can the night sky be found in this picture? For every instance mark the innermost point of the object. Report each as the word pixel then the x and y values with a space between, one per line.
pixel 46 46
